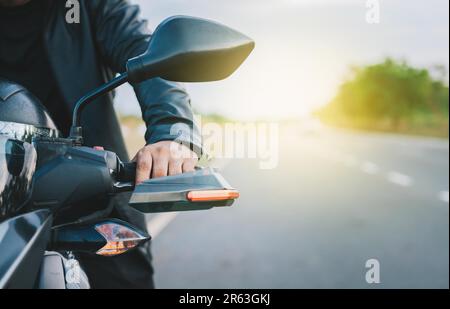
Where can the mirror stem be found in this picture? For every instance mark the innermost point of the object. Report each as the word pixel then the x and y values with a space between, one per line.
pixel 75 130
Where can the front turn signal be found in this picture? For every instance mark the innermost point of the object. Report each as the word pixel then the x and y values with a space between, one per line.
pixel 212 195
pixel 119 238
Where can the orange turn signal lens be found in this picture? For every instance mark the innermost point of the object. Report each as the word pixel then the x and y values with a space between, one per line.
pixel 119 239
pixel 212 195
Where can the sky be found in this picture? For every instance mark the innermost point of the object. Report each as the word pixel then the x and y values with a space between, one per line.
pixel 304 49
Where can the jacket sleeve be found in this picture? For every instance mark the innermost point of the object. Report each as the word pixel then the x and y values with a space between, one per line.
pixel 121 34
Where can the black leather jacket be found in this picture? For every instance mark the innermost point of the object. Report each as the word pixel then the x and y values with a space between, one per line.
pixel 85 55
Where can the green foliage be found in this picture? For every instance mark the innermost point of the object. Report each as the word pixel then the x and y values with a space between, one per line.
pixel 391 96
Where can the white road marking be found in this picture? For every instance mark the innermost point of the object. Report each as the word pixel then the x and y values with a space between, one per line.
pixel 370 168
pixel 158 223
pixel 443 196
pixel 400 179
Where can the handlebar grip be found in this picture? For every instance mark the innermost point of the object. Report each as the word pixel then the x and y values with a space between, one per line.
pixel 127 172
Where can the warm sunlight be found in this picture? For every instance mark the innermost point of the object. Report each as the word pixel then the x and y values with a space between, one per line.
pixel 303 50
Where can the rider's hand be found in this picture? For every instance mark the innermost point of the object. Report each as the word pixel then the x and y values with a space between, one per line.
pixel 164 158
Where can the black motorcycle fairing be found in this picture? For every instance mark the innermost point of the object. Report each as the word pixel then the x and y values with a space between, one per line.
pixel 17 166
pixel 71 181
pixel 22 118
pixel 23 241
pixel 18 105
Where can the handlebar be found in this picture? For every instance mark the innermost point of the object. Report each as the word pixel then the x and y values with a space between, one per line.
pixel 125 176
pixel 127 172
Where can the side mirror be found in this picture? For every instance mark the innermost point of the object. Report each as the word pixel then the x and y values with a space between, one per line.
pixel 189 49
pixel 182 49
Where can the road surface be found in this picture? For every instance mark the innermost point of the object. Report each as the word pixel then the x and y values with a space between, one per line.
pixel 336 200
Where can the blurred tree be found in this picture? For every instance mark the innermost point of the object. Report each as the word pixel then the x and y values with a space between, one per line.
pixel 390 96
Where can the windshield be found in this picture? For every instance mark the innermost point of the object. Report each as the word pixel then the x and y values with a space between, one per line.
pixel 17 166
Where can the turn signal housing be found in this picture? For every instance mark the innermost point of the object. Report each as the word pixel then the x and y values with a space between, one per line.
pixel 119 238
pixel 212 195
pixel 108 237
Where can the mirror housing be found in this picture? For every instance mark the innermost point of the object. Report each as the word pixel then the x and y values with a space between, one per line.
pixel 189 49
pixel 182 49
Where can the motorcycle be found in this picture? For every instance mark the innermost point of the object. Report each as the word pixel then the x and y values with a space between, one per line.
pixel 44 176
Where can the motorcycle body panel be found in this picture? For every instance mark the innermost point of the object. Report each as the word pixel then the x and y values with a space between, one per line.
pixel 23 241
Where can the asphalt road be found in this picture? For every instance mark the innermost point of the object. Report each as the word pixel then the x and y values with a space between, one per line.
pixel 336 200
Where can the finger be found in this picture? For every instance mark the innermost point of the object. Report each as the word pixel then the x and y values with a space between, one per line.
pixel 160 166
pixel 144 166
pixel 175 167
pixel 189 165
pixel 136 156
